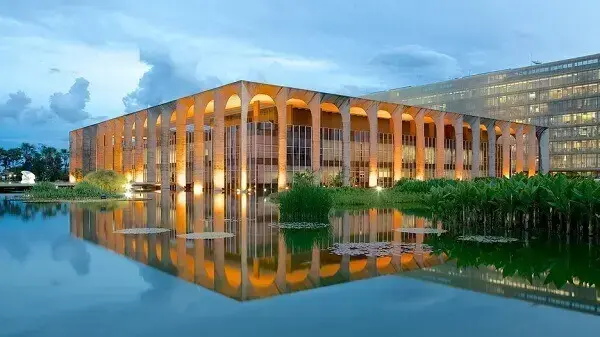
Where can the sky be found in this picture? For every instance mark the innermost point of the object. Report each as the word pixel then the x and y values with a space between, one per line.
pixel 65 64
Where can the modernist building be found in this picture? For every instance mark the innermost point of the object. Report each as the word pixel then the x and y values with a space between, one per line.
pixel 562 95
pixel 248 135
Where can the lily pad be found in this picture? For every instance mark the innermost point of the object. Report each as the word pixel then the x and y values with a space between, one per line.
pixel 206 235
pixel 134 231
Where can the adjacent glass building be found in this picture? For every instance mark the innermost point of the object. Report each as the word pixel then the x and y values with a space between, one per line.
pixel 562 95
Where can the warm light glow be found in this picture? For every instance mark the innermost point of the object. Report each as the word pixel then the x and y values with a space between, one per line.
pixel 420 177
pixel 219 179
pixel 379 188
pixel 128 194
pixel 181 180
pixel 72 178
pixel 197 189
pixel 128 187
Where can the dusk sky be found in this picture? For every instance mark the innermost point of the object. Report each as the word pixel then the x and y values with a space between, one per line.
pixel 68 63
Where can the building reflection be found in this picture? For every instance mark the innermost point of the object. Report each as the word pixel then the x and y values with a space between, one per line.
pixel 260 260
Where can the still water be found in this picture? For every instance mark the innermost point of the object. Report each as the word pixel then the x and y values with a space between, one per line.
pixel 68 269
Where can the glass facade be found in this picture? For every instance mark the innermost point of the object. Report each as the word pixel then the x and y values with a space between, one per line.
pixel 562 95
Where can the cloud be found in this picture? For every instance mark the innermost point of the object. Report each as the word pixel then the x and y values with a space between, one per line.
pixel 165 81
pixel 417 64
pixel 70 106
pixel 16 104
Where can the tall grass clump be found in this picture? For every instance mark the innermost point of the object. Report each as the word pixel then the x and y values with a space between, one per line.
pixel 83 190
pixel 553 202
pixel 305 202
pixel 107 180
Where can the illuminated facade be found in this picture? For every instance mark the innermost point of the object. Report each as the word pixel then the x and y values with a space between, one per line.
pixel 248 135
pixel 563 96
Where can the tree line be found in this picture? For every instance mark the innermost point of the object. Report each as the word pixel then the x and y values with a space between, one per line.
pixel 46 162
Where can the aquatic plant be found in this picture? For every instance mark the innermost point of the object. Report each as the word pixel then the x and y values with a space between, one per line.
pixel 542 201
pixel 305 203
pixel 83 190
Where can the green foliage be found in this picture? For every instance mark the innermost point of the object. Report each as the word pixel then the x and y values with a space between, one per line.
pixel 542 200
pixel 46 162
pixel 421 186
pixel 336 180
pixel 83 190
pixel 369 197
pixel 304 178
pixel 305 203
pixel 107 180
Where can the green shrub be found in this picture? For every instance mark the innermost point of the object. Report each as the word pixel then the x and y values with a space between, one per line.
pixel 305 203
pixel 83 190
pixel 107 180
pixel 304 178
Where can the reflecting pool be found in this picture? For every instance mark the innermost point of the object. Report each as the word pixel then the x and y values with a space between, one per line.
pixel 167 262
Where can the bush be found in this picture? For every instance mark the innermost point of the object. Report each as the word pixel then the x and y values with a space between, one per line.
pixel 305 203
pixel 304 178
pixel 422 186
pixel 83 190
pixel 107 180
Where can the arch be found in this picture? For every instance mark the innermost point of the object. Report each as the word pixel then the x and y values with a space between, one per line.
pixel 297 276
pixel 329 270
pixel 329 107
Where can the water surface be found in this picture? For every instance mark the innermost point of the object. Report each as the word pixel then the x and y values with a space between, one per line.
pixel 66 272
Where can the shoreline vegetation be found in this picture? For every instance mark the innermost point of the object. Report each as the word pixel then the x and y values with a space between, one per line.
pixel 96 186
pixel 551 202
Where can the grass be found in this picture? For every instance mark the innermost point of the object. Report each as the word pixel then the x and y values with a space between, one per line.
pixel 82 191
pixel 351 197
pixel 305 203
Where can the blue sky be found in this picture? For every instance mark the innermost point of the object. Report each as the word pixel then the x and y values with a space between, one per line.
pixel 68 63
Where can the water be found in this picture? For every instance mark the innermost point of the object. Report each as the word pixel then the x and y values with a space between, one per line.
pixel 65 272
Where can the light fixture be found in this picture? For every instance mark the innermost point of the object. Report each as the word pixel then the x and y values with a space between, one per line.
pixel 378 188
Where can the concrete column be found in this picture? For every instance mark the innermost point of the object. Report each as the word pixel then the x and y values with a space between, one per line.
pixel 139 144
pixel 127 145
pixel 397 136
pixel 281 103
pixel 439 144
pixel 180 144
pixel 519 148
pixel 531 150
pixel 255 111
pixel 245 102
pixel 345 112
pixel 476 132
pixel 100 138
pixel 544 142
pixel 151 148
pixel 198 174
pixel 165 121
pixel 90 140
pixel 505 127
pixel 79 148
pixel 420 144
pixel 373 228
pixel 315 112
pixel 491 132
pixel 118 147
pixel 397 220
pixel 218 141
pixel 373 144
pixel 72 155
pixel 108 148
pixel 459 160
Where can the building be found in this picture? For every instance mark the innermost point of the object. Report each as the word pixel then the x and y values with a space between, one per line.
pixel 561 95
pixel 256 136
